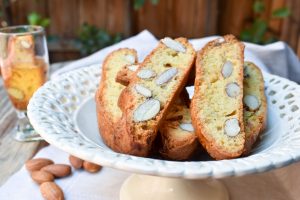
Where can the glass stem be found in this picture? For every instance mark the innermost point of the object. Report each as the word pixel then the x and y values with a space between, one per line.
pixel 23 123
pixel 25 131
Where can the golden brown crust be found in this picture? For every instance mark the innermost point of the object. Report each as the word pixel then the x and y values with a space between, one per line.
pixel 254 128
pixel 204 137
pixel 108 123
pixel 142 134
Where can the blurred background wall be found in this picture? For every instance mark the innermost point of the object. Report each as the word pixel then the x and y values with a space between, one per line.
pixel 79 27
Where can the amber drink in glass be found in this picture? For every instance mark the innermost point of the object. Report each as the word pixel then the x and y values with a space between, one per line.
pixel 24 67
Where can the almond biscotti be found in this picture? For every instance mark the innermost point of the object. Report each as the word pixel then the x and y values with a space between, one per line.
pixel 255 106
pixel 179 141
pixel 217 104
pixel 21 49
pixel 153 88
pixel 108 112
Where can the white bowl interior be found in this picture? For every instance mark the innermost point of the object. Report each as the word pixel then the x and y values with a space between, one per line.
pixel 86 122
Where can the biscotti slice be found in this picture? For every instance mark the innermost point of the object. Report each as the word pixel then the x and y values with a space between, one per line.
pixel 255 106
pixel 217 104
pixel 108 112
pixel 179 141
pixel 21 49
pixel 153 88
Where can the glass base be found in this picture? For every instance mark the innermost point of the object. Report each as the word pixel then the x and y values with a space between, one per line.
pixel 25 132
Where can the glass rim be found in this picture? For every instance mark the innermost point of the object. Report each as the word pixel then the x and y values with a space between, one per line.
pixel 36 30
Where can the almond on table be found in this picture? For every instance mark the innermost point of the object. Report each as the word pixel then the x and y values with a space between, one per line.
pixel 75 162
pixel 58 170
pixel 51 191
pixel 37 163
pixel 41 176
pixel 91 167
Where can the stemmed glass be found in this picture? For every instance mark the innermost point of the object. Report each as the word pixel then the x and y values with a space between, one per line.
pixel 24 66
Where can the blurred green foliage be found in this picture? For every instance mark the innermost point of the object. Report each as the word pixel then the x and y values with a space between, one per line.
pixel 137 4
pixel 257 32
pixel 36 19
pixel 90 39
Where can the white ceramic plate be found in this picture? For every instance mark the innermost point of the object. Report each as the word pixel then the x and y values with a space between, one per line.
pixel 63 112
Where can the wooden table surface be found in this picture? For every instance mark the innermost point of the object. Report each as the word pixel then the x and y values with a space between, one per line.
pixel 279 184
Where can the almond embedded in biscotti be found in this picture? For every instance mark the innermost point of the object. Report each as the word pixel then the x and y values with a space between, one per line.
pixel 146 73
pixel 221 40
pixel 41 176
pixel 187 127
pixel 251 102
pixel 51 191
pixel 18 94
pixel 166 76
pixel 130 59
pixel 91 167
pixel 75 162
pixel 133 67
pixel 227 69
pixel 58 170
pixel 246 73
pixel 232 127
pixel 37 163
pixel 143 90
pixel 232 89
pixel 147 110
pixel 173 44
pixel 25 44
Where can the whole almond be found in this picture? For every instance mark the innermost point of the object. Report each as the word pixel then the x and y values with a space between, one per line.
pixel 75 162
pixel 143 90
pixel 187 127
pixel 41 176
pixel 146 73
pixel 173 44
pixel 37 163
pixel 251 101
pixel 51 191
pixel 227 69
pixel 146 110
pixel 58 170
pixel 232 127
pixel 232 90
pixel 166 76
pixel 91 167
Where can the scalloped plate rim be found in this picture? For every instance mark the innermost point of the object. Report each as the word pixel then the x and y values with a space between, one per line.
pixel 160 171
